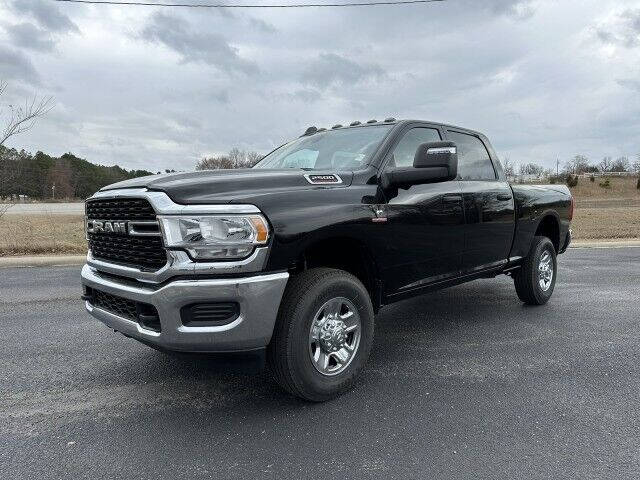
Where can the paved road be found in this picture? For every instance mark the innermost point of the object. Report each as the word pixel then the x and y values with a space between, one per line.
pixel 463 383
pixel 45 208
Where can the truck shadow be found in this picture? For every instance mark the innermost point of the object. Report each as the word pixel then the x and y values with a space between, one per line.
pixel 415 330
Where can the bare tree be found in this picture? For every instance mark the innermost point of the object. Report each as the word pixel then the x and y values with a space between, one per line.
pixel 214 163
pixel 620 164
pixel 253 157
pixel 577 165
pixel 23 118
pixel 531 169
pixel 236 158
pixel 605 164
pixel 509 170
pixel 636 165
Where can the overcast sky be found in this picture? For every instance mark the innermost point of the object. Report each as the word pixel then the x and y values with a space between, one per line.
pixel 156 88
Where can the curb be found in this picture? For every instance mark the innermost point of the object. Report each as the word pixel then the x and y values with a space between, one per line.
pixel 42 261
pixel 605 243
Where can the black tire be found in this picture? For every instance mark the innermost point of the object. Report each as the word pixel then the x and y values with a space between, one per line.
pixel 288 354
pixel 526 279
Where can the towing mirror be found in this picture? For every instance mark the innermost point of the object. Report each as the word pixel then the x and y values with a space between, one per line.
pixel 438 155
pixel 433 162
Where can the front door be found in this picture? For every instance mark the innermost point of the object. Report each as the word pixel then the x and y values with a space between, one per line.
pixel 425 224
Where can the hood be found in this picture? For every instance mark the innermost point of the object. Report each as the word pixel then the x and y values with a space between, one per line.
pixel 228 186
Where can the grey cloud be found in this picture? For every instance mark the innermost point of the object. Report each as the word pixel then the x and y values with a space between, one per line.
pixel 47 14
pixel 261 25
pixel 221 96
pixel 307 95
pixel 629 83
pixel 468 62
pixel 623 30
pixel 519 9
pixel 196 45
pixel 15 65
pixel 28 35
pixel 333 69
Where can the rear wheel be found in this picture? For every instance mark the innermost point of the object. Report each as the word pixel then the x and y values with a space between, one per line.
pixel 323 334
pixel 536 278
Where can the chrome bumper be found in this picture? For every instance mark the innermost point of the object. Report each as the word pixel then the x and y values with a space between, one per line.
pixel 258 296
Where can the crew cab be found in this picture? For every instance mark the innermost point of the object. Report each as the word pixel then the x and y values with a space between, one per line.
pixel 293 258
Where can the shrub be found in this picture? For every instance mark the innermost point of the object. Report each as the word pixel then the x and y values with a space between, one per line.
pixel 638 184
pixel 605 184
pixel 572 180
pixel 552 180
pixel 592 179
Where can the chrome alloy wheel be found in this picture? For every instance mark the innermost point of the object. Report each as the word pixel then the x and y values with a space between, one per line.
pixel 545 270
pixel 334 336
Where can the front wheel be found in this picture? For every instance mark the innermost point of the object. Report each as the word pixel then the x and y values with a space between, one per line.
pixel 536 278
pixel 323 334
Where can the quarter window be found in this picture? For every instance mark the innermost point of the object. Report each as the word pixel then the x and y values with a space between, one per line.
pixel 405 150
pixel 474 162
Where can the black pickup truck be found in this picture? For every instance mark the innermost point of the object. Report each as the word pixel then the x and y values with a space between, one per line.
pixel 293 258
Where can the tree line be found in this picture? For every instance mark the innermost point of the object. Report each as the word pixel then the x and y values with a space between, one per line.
pixel 236 158
pixel 577 165
pixel 42 176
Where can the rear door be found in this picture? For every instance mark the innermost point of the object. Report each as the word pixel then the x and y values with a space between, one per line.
pixel 424 232
pixel 488 204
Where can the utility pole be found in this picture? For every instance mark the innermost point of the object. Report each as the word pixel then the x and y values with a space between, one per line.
pixel 53 191
pixel 557 166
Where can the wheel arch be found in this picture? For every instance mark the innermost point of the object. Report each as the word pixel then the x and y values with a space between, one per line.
pixel 346 253
pixel 549 226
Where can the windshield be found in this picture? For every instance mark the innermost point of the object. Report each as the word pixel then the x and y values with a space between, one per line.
pixel 343 149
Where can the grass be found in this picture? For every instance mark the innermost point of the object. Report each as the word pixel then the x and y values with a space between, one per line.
pixel 622 188
pixel 606 223
pixel 41 235
pixel 606 213
pixel 600 214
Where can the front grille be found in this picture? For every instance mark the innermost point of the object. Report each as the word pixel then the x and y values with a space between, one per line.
pixel 142 313
pixel 119 306
pixel 120 209
pixel 145 252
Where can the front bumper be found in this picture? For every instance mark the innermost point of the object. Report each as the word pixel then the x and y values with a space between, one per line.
pixel 257 295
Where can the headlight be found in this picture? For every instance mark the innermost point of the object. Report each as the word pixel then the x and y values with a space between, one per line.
pixel 215 237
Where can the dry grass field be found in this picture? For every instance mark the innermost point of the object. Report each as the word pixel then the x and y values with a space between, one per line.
pixel 606 223
pixel 606 213
pixel 601 213
pixel 41 234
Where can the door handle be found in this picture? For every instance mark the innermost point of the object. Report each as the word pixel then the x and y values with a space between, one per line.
pixel 452 198
pixel 504 196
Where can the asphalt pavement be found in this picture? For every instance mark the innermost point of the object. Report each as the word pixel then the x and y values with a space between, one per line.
pixel 462 383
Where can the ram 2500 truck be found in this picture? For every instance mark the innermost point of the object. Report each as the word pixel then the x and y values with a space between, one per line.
pixel 294 257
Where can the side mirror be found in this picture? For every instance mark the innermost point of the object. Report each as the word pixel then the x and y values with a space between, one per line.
pixel 433 162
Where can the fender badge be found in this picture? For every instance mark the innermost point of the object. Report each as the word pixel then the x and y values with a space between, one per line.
pixel 326 179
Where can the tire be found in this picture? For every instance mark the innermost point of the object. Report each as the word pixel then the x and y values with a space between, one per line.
pixel 297 354
pixel 528 280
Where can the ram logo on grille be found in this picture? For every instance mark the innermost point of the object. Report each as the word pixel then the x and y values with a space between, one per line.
pixel 97 226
